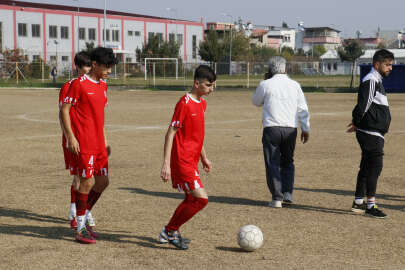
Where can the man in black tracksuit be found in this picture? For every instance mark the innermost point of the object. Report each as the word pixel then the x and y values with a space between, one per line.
pixel 371 120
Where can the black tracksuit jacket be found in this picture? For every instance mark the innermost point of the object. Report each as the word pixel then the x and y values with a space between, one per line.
pixel 372 112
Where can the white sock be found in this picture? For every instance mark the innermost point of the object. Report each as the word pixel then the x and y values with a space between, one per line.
pixel 370 203
pixel 73 209
pixel 81 222
pixel 358 201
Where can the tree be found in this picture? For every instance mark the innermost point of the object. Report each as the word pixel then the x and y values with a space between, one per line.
pixel 240 46
pixel 211 49
pixel 351 51
pixel 284 25
pixel 89 46
pixel 262 53
pixel 287 53
pixel 319 50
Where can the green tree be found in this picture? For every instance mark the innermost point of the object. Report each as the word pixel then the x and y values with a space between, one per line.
pixel 89 46
pixel 240 46
pixel 211 49
pixel 319 50
pixel 284 25
pixel 262 53
pixel 287 53
pixel 351 51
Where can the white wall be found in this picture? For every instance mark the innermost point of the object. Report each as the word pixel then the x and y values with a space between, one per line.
pixel 6 18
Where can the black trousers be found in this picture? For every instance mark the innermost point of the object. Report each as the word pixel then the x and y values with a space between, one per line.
pixel 278 149
pixel 371 163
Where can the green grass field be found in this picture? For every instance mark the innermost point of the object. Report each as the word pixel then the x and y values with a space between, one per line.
pixel 308 83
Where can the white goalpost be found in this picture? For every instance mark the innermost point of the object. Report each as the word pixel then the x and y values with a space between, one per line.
pixel 160 59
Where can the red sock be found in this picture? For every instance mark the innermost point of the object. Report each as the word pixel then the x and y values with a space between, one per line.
pixel 93 197
pixel 185 211
pixel 72 194
pixel 81 203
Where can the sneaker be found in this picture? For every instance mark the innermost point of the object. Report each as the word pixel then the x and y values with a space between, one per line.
pixel 73 223
pixel 84 237
pixel 359 208
pixel 164 237
pixel 174 239
pixel 287 198
pixel 91 232
pixel 90 220
pixel 275 204
pixel 375 212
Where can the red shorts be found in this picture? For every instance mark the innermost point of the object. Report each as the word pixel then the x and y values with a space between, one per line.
pixel 67 157
pixel 186 183
pixel 89 165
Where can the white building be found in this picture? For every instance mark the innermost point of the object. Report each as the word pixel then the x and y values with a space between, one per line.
pixel 332 65
pixel 55 33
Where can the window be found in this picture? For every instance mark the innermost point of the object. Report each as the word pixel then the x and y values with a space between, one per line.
pixel 329 66
pixel 22 29
pixel 53 58
pixel 36 30
pixel 180 39
pixel 1 36
pixel 128 60
pixel 65 58
pixel 107 34
pixel 53 31
pixel 35 58
pixel 137 33
pixel 130 33
pixel 92 34
pixel 150 35
pixel 172 37
pixel 64 32
pixel 194 46
pixel 116 35
pixel 335 66
pixel 82 33
pixel 160 35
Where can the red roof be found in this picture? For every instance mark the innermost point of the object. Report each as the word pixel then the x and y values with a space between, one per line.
pixel 74 9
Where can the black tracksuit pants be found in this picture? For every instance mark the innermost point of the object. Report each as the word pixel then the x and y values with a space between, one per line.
pixel 371 164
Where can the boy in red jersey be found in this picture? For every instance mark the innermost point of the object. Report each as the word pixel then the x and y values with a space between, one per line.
pixel 182 151
pixel 86 100
pixel 83 66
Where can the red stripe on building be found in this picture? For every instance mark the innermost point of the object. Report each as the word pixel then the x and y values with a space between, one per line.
pixel 99 36
pixel 44 35
pixel 166 31
pixel 144 32
pixel 15 28
pixel 122 34
pixel 185 43
pixel 73 41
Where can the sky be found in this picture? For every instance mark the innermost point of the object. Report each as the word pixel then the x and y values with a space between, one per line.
pixel 347 16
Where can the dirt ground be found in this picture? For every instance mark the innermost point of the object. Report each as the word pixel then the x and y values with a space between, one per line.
pixel 317 232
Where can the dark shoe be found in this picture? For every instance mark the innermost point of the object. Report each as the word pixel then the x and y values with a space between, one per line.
pixel 175 240
pixel 375 212
pixel 359 208
pixel 164 237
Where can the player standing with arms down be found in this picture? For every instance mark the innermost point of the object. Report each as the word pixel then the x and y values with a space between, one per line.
pixel 87 98
pixel 371 120
pixel 183 149
pixel 83 66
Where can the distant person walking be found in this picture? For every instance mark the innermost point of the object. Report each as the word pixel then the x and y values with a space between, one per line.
pixel 371 121
pixel 54 73
pixel 284 105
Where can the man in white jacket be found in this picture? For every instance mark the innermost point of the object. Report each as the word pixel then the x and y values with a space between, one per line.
pixel 283 106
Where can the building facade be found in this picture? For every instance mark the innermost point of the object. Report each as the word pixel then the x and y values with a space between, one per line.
pixel 308 37
pixel 55 33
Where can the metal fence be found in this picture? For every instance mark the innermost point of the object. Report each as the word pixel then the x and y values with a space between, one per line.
pixel 168 74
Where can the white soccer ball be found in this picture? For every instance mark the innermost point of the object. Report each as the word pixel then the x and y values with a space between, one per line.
pixel 250 237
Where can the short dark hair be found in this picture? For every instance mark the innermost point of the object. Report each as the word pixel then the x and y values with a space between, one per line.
pixel 104 56
pixel 82 59
pixel 205 72
pixel 382 55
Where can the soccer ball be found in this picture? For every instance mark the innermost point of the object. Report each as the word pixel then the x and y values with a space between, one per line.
pixel 250 237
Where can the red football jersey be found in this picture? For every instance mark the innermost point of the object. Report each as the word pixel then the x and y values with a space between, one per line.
pixel 62 94
pixel 188 117
pixel 88 97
